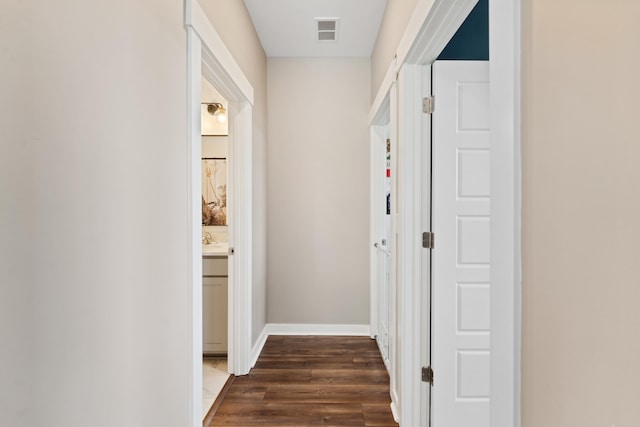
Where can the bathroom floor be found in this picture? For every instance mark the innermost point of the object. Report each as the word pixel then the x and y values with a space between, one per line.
pixel 214 376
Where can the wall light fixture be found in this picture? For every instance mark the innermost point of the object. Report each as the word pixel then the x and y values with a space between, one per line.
pixel 216 110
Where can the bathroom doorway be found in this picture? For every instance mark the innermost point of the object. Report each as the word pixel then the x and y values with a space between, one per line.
pixel 215 243
pixel 207 56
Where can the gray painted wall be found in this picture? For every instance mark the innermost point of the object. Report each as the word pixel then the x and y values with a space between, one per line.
pixel 580 173
pixel 94 214
pixel 318 186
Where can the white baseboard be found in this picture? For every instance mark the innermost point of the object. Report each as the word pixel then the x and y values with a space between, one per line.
pixel 316 329
pixel 257 348
pixel 394 407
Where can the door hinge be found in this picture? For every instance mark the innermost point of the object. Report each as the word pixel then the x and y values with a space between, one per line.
pixel 427 375
pixel 428 104
pixel 428 240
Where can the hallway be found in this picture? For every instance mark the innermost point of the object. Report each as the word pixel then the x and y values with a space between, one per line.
pixel 311 381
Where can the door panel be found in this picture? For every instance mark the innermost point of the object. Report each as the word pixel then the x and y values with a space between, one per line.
pixel 380 237
pixel 461 261
pixel 383 308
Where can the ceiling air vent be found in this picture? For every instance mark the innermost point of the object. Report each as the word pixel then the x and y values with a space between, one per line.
pixel 327 29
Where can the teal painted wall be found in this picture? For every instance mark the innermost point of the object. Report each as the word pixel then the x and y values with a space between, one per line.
pixel 471 41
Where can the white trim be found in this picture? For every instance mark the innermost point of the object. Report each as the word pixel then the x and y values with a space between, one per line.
pixel 379 116
pixel 432 25
pixel 394 333
pixel 504 47
pixel 425 261
pixel 207 56
pixel 409 239
pixel 394 408
pixel 230 77
pixel 316 329
pixel 259 345
pixel 194 249
pixel 379 112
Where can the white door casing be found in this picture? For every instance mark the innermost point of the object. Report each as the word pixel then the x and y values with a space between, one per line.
pixel 394 335
pixel 383 122
pixel 380 262
pixel 208 56
pixel 461 259
pixel 410 166
pixel 425 263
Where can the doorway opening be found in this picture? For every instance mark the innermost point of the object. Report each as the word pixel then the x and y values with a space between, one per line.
pixel 382 204
pixel 215 243
pixel 208 58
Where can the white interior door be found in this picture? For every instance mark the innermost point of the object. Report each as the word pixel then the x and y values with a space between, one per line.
pixel 383 302
pixel 380 236
pixel 461 261
pixel 384 256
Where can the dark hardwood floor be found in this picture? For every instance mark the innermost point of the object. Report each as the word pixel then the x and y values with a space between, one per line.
pixel 311 381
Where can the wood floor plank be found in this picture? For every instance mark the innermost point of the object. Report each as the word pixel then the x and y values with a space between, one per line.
pixel 245 394
pixel 350 376
pixel 378 415
pixel 279 376
pixel 311 381
pixel 327 393
pixel 346 361
pixel 288 414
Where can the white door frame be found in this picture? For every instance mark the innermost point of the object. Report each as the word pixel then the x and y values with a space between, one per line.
pixel 432 25
pixel 376 201
pixel 377 153
pixel 378 129
pixel 376 196
pixel 506 212
pixel 410 175
pixel 385 114
pixel 208 56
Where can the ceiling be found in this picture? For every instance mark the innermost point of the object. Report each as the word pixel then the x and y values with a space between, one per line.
pixel 287 28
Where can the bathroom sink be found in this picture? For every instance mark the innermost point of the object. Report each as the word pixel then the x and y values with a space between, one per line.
pixel 214 244
pixel 215 248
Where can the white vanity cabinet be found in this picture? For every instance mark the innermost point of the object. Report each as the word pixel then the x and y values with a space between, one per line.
pixel 214 304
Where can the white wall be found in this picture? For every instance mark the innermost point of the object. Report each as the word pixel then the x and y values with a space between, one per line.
pixel 233 23
pixel 581 204
pixel 96 185
pixel 318 168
